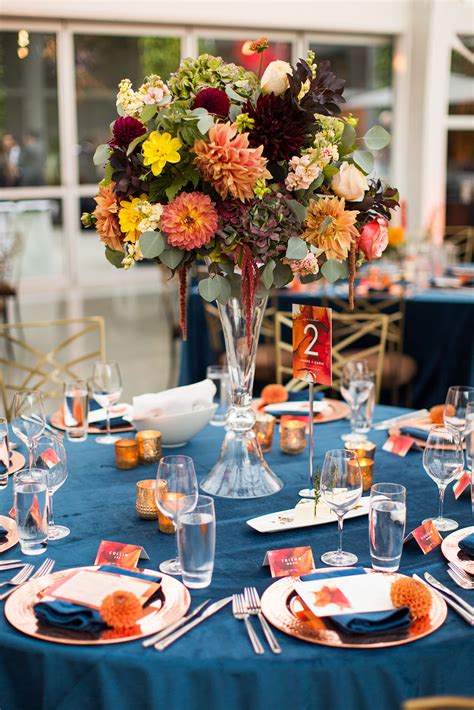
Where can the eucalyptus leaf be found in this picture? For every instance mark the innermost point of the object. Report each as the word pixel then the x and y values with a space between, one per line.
pixel 171 257
pixel 234 112
pixel 233 95
pixel 152 244
pixel 205 123
pixel 147 113
pixel 298 209
pixel 267 274
pixel 348 136
pixel 101 154
pixel 332 270
pixel 365 160
pixel 114 257
pixel 135 142
pixel 315 250
pixel 224 289
pixel 330 170
pixel 282 274
pixel 317 183
pixel 296 249
pixel 200 111
pixel 108 172
pixel 209 289
pixel 377 138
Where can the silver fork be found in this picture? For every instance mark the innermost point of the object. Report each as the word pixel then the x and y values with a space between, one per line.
pixel 19 577
pixel 240 612
pixel 460 576
pixel 254 607
pixel 44 569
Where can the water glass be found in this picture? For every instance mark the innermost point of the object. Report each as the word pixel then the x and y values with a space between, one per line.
pixel 4 453
pixel 50 456
pixel 28 418
pixel 358 389
pixel 106 388
pixel 31 510
pixel 469 436
pixel 219 374
pixel 457 400
pixel 387 519
pixel 76 410
pixel 443 461
pixel 196 534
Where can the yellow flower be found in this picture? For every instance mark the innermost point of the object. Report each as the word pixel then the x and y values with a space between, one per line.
pixel 329 226
pixel 130 216
pixel 159 149
pixel 396 236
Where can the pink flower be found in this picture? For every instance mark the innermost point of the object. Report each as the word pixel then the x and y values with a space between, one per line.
pixel 373 239
pixel 190 221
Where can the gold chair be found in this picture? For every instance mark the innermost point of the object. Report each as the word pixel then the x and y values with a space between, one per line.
pixel 463 240
pixel 349 330
pixel 439 702
pixel 47 353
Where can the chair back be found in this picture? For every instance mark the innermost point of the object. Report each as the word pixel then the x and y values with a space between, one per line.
pixel 463 240
pixel 369 330
pixel 48 353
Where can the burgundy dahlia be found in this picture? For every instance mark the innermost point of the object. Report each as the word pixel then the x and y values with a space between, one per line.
pixel 125 130
pixel 215 101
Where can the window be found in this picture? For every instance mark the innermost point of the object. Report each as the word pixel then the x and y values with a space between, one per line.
pixel 29 150
pixel 461 83
pixel 238 52
pixel 460 179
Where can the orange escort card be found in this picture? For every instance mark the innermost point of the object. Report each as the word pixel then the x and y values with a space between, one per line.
pixel 119 554
pixel 291 561
pixel 426 535
pixel 312 344
pixel 461 484
pixel 398 444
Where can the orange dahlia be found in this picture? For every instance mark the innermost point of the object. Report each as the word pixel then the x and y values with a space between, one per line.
pixel 120 610
pixel 228 163
pixel 190 221
pixel 413 594
pixel 274 394
pixel 329 226
pixel 106 214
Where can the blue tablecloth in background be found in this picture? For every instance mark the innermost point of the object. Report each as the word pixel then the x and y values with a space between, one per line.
pixel 439 335
pixel 214 667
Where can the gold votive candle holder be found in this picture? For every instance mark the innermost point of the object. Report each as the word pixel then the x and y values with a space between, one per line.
pixel 367 473
pixel 263 428
pixel 365 451
pixel 149 446
pixel 146 500
pixel 293 436
pixel 126 453
pixel 165 524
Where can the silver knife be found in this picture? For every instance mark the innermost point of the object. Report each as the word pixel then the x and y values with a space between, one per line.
pixel 463 614
pixel 213 609
pixel 387 423
pixel 11 565
pixel 173 627
pixel 441 588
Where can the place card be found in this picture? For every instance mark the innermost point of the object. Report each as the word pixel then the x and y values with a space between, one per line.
pixel 120 554
pixel 398 444
pixel 47 459
pixel 342 595
pixel 461 484
pixel 426 535
pixel 312 344
pixel 290 561
pixel 12 513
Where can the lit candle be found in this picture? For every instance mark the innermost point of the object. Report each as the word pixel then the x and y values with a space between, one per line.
pixel 126 453
pixel 149 446
pixel 293 436
pixel 263 427
pixel 367 473
pixel 146 500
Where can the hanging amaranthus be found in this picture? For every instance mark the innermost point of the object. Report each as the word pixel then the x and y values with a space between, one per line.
pixel 352 265
pixel 183 284
pixel 250 283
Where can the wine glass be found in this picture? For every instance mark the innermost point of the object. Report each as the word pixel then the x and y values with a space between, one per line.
pixel 176 493
pixel 50 455
pixel 358 389
pixel 454 415
pixel 469 436
pixel 106 388
pixel 341 488
pixel 4 453
pixel 443 460
pixel 28 418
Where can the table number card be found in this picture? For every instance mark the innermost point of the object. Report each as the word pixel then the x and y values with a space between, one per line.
pixel 312 344
pixel 398 444
pixel 120 554
pixel 426 535
pixel 290 561
pixel 461 484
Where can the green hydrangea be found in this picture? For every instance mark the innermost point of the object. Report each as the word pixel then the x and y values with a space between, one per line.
pixel 208 71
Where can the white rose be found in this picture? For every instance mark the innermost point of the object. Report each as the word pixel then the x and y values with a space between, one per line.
pixel 350 183
pixel 275 77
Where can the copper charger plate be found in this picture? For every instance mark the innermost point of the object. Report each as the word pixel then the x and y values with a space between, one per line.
pixel 425 424
pixel 57 421
pixel 12 535
pixel 20 614
pixel 284 609
pixel 17 461
pixel 450 549
pixel 334 411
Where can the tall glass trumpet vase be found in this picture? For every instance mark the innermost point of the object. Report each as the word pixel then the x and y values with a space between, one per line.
pixel 241 471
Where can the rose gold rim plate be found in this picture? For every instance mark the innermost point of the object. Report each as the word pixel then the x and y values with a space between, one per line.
pixel 20 614
pixel 450 549
pixel 335 410
pixel 283 608
pixel 56 420
pixel 17 461
pixel 12 536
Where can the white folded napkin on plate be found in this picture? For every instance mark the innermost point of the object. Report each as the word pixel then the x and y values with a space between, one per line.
pixel 179 400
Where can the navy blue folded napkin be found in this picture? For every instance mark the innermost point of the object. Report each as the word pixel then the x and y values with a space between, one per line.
pixel 466 545
pixel 367 622
pixel 3 534
pixel 76 617
pixel 414 432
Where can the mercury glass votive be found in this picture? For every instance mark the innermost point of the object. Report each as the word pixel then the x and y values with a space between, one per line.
pixel 367 473
pixel 126 453
pixel 263 427
pixel 165 524
pixel 365 451
pixel 293 436
pixel 146 500
pixel 149 446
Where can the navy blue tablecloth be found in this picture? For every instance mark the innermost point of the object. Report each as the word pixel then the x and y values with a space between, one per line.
pixel 214 668
pixel 439 335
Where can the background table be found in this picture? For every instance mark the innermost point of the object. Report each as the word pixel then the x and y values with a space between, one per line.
pixel 439 326
pixel 214 668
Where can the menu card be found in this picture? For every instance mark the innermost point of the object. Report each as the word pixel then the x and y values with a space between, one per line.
pixel 343 595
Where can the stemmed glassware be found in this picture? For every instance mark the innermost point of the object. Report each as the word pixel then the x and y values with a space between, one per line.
pixel 443 460
pixel 106 388
pixel 469 437
pixel 457 400
pixel 176 494
pixel 341 488
pixel 50 455
pixel 358 389
pixel 28 418
pixel 4 453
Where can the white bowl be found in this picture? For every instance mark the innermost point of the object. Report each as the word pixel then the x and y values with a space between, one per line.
pixel 177 429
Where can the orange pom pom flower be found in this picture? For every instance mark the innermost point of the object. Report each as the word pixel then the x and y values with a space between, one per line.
pixel 413 594
pixel 274 394
pixel 120 610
